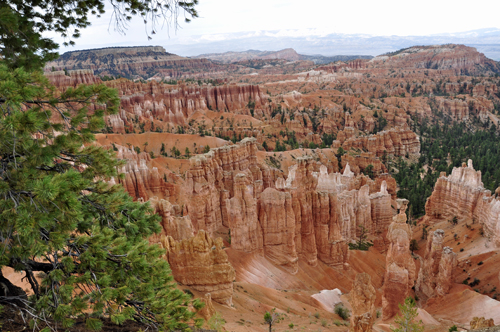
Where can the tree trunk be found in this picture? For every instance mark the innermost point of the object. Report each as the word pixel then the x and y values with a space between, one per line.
pixel 10 293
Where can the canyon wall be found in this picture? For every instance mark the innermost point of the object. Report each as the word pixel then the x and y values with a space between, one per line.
pixel 459 59
pixel 462 195
pixel 166 107
pixel 73 78
pixel 310 215
pixel 201 262
pixel 131 62
pixel 400 141
pixel 436 272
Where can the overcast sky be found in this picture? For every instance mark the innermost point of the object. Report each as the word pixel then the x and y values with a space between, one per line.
pixel 383 17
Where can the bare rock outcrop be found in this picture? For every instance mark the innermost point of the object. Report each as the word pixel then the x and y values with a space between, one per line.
pixel 362 300
pixel 400 141
pixel 381 214
pixel 140 181
pixel 277 219
pixel 178 227
pixel 436 272
pixel 455 195
pixel 215 178
pixel 201 263
pixel 142 61
pixel 72 78
pixel 400 267
pixel 208 309
pixel 480 323
pixel 246 232
pixel 168 107
pixel 462 195
pixel 459 59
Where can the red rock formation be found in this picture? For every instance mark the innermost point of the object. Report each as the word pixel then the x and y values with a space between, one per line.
pixel 75 78
pixel 179 228
pixel 463 195
pixel 360 162
pixel 362 300
pixel 277 219
pixel 140 180
pixel 436 273
pixel 400 267
pixel 168 106
pixel 246 232
pixel 480 323
pixel 201 263
pixel 381 213
pixel 143 61
pixel 459 58
pixel 211 181
pixel 456 195
pixel 208 309
pixel 446 271
pixel 487 212
pixel 399 141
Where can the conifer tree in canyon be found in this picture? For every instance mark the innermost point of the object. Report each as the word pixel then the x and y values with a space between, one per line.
pixel 79 241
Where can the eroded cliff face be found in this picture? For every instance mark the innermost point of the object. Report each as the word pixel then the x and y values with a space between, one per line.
pixel 219 176
pixel 73 79
pixel 142 61
pixel 200 262
pixel 166 107
pixel 310 215
pixel 399 141
pixel 462 195
pixel 178 227
pixel 362 300
pixel 400 266
pixel 140 180
pixel 436 272
pixel 277 219
pixel 458 58
pixel 480 323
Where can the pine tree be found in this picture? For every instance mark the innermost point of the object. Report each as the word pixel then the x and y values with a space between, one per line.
pixel 406 319
pixel 80 242
pixel 59 217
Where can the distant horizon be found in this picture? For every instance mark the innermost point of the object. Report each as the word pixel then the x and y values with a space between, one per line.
pixel 486 40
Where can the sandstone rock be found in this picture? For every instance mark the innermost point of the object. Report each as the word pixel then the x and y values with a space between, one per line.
pixel 131 61
pixel 277 219
pixel 210 183
pixel 140 181
pixel 201 263
pixel 399 141
pixel 381 214
pixel 362 301
pixel 458 58
pixel 400 266
pixel 462 194
pixel 455 195
pixel 246 232
pixel 480 323
pixel 168 108
pixel 446 271
pixel 74 78
pixel 208 310
pixel 429 270
pixel 178 227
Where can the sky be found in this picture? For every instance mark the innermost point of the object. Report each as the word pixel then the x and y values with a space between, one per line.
pixel 220 18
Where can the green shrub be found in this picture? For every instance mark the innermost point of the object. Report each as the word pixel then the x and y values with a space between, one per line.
pixel 342 311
